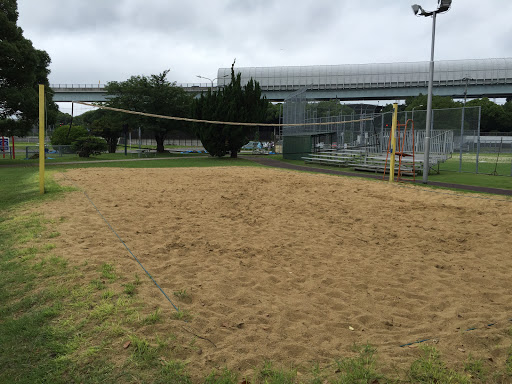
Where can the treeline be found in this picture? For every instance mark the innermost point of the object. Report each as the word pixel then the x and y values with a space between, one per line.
pixel 157 96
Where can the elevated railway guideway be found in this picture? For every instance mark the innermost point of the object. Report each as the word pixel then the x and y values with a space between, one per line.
pixel 388 81
pixel 97 92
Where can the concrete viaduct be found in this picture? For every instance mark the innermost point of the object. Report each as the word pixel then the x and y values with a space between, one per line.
pixel 389 81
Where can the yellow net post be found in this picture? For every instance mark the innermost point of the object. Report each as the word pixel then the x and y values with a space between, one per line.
pixel 41 139
pixel 393 143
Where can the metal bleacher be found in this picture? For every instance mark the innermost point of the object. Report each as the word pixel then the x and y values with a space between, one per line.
pixel 363 161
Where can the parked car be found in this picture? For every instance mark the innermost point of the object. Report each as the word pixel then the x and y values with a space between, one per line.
pixel 251 145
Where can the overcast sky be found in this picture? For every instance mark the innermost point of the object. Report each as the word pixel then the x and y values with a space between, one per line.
pixel 91 41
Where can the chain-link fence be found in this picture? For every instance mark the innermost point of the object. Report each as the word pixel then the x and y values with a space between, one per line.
pixel 455 134
pixel 179 142
pixel 489 154
pixel 51 151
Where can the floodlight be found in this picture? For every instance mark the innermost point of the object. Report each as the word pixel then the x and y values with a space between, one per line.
pixel 444 5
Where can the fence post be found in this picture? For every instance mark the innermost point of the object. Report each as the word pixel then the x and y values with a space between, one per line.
pixel 382 133
pixel 478 137
pixel 461 139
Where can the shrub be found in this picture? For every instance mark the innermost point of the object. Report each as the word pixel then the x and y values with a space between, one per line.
pixel 89 145
pixel 60 135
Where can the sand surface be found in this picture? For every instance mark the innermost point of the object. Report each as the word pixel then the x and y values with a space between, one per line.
pixel 295 267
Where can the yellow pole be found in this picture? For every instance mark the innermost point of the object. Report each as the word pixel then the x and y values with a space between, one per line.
pixel 41 139
pixel 393 143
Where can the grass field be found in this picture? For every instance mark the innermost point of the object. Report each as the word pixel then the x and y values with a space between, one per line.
pixel 490 164
pixel 56 327
pixel 57 158
pixel 448 174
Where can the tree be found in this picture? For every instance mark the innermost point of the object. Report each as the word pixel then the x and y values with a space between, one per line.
pixel 438 102
pixel 507 108
pixel 232 103
pixel 107 124
pixel 89 145
pixel 22 68
pixel 328 108
pixel 65 135
pixel 63 118
pixel 493 116
pixel 154 95
pixel 446 117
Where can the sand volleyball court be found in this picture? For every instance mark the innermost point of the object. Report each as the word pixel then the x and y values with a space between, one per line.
pixel 297 267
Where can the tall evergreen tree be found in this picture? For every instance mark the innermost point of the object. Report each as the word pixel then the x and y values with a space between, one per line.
pixel 22 68
pixel 233 103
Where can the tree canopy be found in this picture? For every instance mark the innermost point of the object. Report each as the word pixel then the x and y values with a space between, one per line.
pixel 438 102
pixel 66 135
pixel 151 94
pixel 232 103
pixel 493 117
pixel 106 124
pixel 22 68
pixel 328 108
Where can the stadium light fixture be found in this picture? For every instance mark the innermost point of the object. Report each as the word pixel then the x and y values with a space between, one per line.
pixel 443 6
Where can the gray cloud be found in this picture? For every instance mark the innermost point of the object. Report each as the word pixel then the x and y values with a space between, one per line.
pixel 103 40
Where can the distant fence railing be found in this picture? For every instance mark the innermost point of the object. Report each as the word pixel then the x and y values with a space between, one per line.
pixel 101 87
pixel 441 142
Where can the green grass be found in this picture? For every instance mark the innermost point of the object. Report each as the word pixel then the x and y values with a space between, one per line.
pixel 430 368
pixel 182 295
pixel 171 162
pixel 448 174
pixel 508 362
pixel 269 374
pixel 182 314
pixel 107 271
pixel 50 159
pixel 129 289
pixel 223 377
pixel 153 317
pixel 21 185
pixel 360 369
pixel 476 368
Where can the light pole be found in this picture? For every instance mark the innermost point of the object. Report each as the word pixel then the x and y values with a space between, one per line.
pixel 444 5
pixel 413 108
pixel 212 80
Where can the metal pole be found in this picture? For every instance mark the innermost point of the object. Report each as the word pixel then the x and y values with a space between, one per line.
pixel 478 137
pixel 426 159
pixel 41 138
pixel 393 142
pixel 381 133
pixel 462 125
